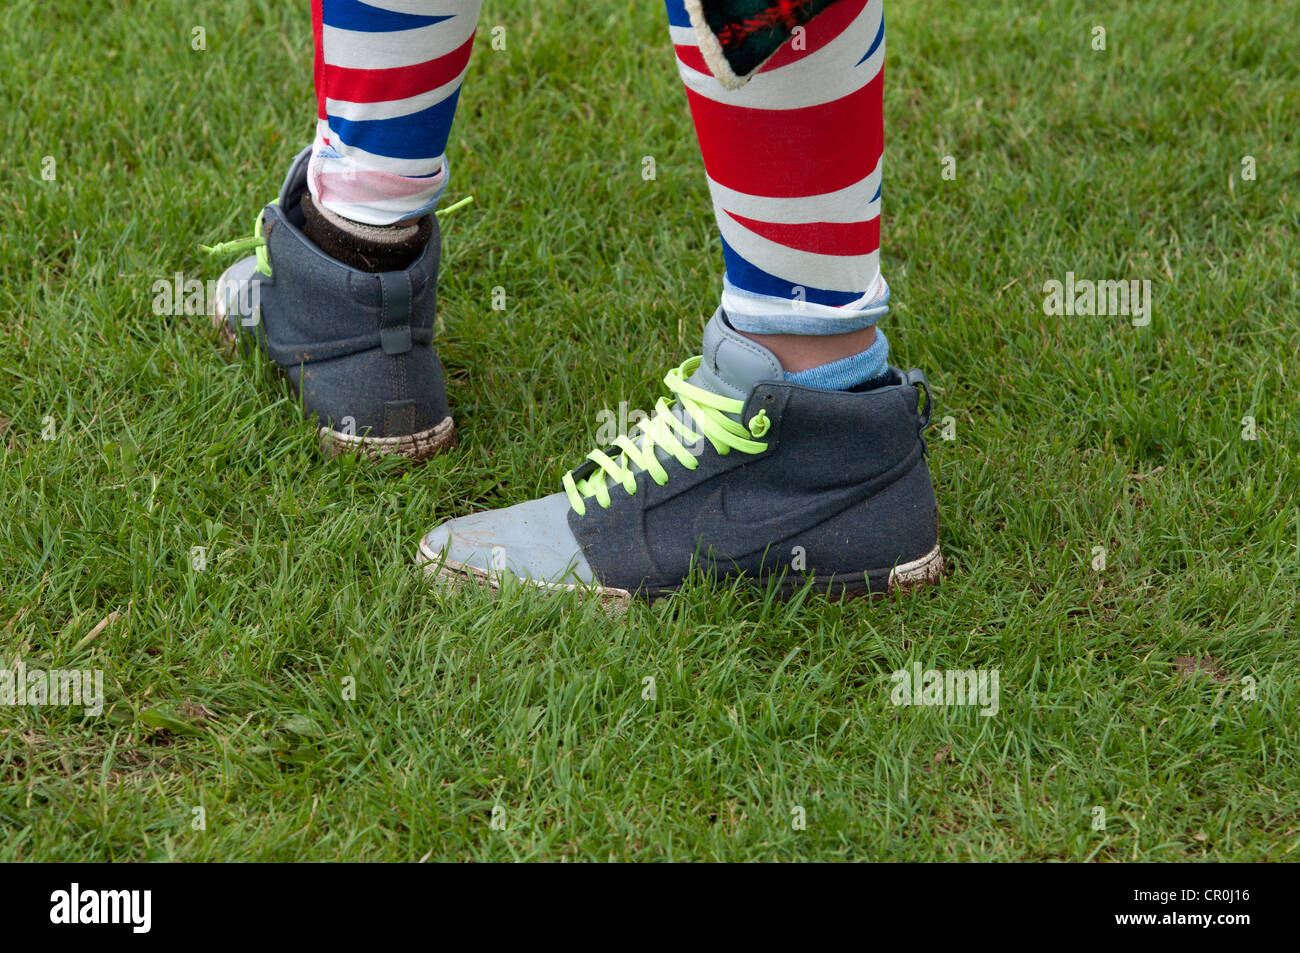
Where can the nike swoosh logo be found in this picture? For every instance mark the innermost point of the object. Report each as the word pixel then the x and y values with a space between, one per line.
pixel 713 525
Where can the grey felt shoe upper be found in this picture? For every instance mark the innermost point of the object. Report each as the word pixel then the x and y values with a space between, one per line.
pixel 841 491
pixel 357 346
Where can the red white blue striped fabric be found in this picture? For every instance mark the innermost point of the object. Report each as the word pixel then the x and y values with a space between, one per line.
pixel 793 162
pixel 388 77
pixel 793 156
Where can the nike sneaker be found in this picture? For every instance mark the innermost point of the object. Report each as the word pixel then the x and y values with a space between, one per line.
pixel 356 346
pixel 744 474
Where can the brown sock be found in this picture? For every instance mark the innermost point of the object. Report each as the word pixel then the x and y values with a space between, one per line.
pixel 372 248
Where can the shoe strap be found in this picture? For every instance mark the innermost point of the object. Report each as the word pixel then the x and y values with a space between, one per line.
pixel 395 297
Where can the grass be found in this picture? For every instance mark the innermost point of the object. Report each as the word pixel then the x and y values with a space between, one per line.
pixel 1127 690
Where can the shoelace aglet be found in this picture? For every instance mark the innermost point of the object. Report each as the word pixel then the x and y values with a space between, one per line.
pixel 467 200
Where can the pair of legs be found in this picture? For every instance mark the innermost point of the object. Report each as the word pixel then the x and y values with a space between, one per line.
pixel 791 444
pixel 793 157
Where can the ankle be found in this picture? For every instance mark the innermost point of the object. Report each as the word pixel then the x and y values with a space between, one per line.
pixel 802 352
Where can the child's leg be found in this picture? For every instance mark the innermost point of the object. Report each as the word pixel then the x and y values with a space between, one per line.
pixel 792 448
pixel 353 328
pixel 388 77
pixel 793 159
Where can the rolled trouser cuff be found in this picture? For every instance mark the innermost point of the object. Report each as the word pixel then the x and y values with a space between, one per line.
pixel 766 314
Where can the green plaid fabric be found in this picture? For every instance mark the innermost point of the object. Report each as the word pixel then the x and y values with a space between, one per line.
pixel 750 31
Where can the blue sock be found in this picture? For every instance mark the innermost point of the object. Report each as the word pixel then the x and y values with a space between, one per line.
pixel 847 371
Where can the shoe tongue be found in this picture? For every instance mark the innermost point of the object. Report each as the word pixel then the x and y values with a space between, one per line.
pixel 733 363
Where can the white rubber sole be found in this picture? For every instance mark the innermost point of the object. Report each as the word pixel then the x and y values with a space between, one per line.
pixel 915 574
pixel 926 571
pixel 420 445
pixel 448 573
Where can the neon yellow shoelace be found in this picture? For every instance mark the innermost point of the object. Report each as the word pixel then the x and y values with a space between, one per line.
pixel 240 245
pixel 709 413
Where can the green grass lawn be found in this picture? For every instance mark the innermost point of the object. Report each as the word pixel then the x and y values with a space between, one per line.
pixel 319 702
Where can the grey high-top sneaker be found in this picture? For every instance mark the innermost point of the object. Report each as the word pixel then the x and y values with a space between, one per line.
pixel 745 474
pixel 357 346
